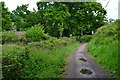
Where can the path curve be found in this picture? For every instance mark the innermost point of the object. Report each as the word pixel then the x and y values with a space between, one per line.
pixel 75 65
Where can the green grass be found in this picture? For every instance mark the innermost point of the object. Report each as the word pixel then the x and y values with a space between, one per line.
pixel 48 63
pixel 41 62
pixel 104 47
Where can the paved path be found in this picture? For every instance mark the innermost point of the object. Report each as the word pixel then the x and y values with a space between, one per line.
pixel 81 65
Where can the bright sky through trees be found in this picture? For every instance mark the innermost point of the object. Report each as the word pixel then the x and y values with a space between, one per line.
pixel 112 7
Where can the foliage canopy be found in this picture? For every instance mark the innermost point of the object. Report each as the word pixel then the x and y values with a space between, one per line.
pixel 58 18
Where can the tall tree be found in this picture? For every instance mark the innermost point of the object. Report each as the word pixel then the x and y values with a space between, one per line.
pixel 56 19
pixel 6 20
pixel 35 17
pixel 87 16
pixel 19 16
pixel 77 18
pixel 21 10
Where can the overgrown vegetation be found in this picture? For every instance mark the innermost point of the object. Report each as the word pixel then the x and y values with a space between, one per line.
pixel 9 36
pixel 14 58
pixel 104 47
pixel 36 33
pixel 85 38
pixel 44 59
pixel 41 52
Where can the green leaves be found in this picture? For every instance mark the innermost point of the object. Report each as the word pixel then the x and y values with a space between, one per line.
pixel 59 18
pixel 35 33
pixel 21 11
pixel 13 60
pixel 19 16
pixel 104 47
pixel 6 20
pixel 55 19
pixel 9 36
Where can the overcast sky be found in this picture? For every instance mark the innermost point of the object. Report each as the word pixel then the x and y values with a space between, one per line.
pixel 112 7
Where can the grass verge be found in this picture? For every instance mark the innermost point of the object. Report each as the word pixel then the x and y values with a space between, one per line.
pixel 104 47
pixel 32 62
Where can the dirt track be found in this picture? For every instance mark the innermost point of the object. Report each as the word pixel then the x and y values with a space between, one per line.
pixel 81 65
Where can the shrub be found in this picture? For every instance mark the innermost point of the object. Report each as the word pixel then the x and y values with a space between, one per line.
pixel 85 38
pixel 104 47
pixel 73 38
pixel 27 61
pixel 35 33
pixel 9 36
pixel 46 63
pixel 0 37
pixel 53 42
pixel 13 60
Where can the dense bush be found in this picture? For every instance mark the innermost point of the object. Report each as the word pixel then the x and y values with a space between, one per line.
pixel 85 38
pixel 53 42
pixel 0 37
pixel 47 63
pixel 35 33
pixel 44 59
pixel 104 47
pixel 9 36
pixel 13 60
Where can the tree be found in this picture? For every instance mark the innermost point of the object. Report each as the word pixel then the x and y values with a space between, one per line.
pixel 35 17
pixel 6 20
pixel 55 19
pixel 21 10
pixel 87 16
pixel 19 16
pixel 77 18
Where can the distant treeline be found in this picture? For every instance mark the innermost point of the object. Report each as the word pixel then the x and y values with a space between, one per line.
pixel 58 18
